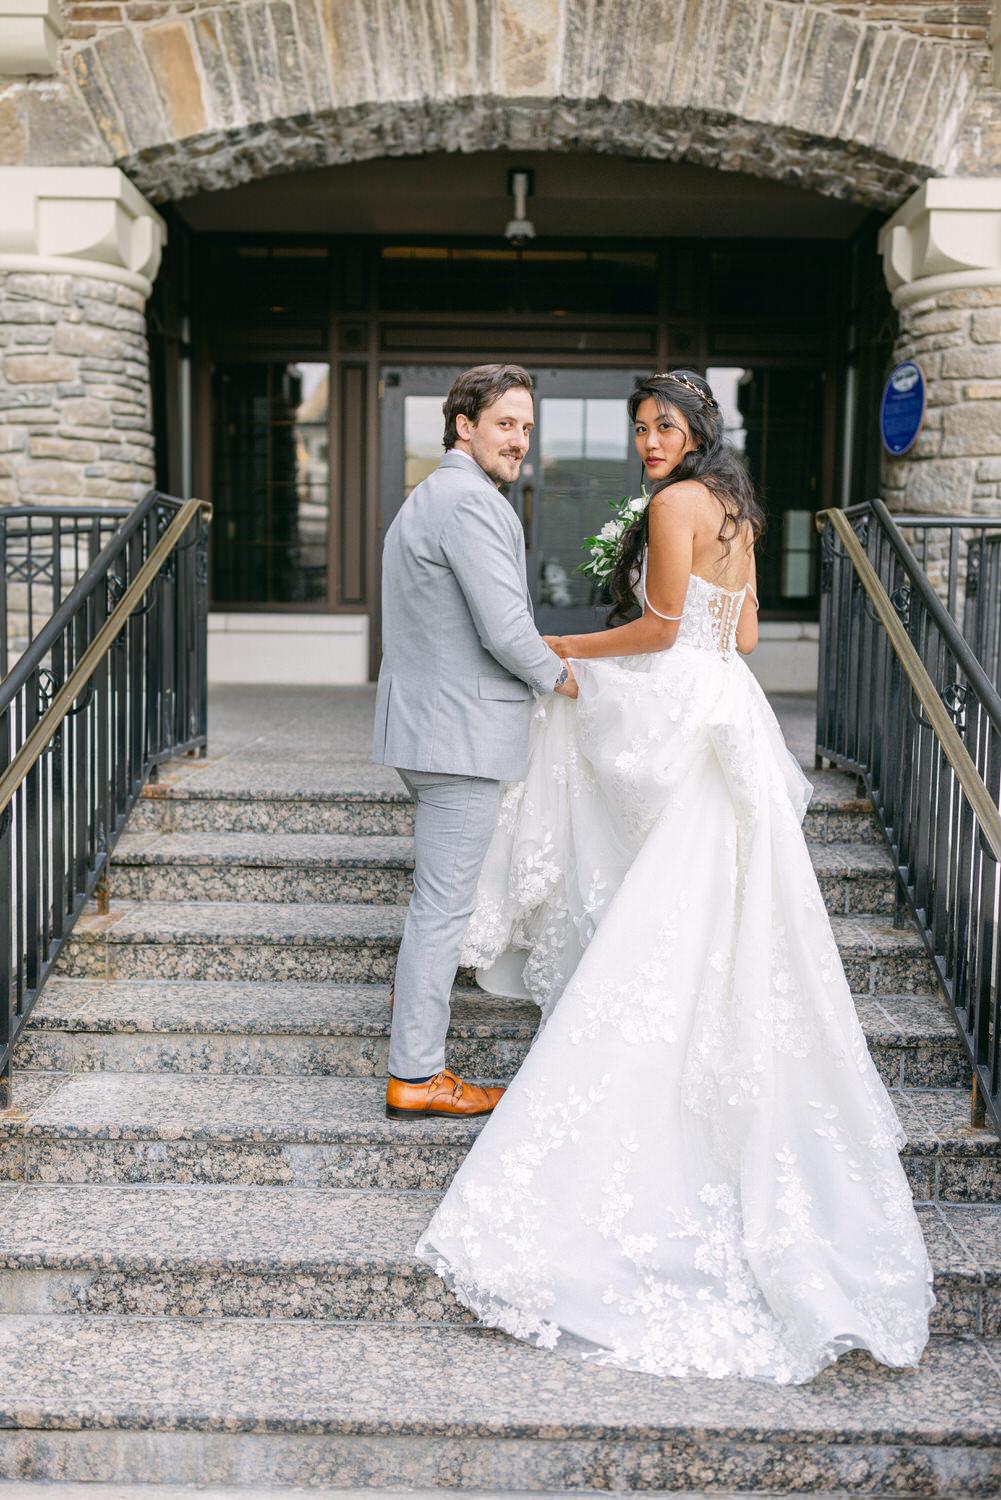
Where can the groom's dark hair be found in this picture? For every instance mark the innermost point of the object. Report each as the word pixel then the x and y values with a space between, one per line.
pixel 474 390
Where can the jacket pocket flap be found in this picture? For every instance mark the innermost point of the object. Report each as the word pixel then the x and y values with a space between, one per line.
pixel 508 689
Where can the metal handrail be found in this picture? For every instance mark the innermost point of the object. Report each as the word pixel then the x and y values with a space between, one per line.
pixel 906 704
pixel 95 653
pixel 111 685
pixel 928 695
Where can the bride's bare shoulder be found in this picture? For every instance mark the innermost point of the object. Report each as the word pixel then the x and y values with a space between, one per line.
pixel 683 499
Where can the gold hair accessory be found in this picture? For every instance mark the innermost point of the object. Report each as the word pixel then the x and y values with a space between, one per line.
pixel 684 380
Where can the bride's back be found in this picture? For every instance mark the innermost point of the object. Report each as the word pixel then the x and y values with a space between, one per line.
pixel 727 566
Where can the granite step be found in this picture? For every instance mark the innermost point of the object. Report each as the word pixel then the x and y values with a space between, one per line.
pixel 15 1490
pixel 358 868
pixel 260 1028
pixel 273 867
pixel 333 1133
pixel 346 1256
pixel 357 943
pixel 364 799
pixel 349 800
pixel 313 1403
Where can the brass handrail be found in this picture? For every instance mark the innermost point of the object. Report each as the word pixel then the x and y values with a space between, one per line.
pixel 956 753
pixel 41 734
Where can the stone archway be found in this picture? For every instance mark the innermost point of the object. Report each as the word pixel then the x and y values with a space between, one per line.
pixel 792 92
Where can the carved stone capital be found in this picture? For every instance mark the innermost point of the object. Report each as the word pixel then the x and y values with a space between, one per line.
pixel 29 36
pixel 87 221
pixel 945 238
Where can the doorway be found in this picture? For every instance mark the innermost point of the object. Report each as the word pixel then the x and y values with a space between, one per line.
pixel 581 458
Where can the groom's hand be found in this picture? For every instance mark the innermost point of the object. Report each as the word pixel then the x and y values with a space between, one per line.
pixel 568 688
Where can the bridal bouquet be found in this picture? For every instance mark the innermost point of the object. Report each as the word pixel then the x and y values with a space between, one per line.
pixel 605 546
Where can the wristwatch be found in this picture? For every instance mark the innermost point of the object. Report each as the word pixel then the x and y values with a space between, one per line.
pixel 561 679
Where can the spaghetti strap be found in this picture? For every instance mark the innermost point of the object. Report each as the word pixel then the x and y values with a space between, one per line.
pixel 753 595
pixel 646 601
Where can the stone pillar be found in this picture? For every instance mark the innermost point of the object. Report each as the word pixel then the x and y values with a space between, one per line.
pixel 942 258
pixel 79 248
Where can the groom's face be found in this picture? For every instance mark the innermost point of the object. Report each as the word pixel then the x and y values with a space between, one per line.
pixel 498 439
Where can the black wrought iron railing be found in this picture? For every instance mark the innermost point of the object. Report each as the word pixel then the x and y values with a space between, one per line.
pixel 960 556
pixel 111 685
pixel 904 702
pixel 44 552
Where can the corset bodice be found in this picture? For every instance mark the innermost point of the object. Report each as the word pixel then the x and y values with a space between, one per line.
pixel 709 615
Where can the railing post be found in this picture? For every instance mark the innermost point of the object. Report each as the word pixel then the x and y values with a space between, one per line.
pixel 6 921
pixel 4 627
pixel 202 631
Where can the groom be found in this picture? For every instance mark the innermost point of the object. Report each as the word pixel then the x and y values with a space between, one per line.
pixel 461 658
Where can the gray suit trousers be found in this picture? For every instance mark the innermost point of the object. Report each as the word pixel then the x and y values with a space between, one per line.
pixel 453 825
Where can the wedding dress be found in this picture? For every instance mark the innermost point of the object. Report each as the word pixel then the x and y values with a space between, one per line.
pixel 695 1171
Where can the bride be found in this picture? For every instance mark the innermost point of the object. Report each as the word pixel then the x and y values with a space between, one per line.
pixel 695 1171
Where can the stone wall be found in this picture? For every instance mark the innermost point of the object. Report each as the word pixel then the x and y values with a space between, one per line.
pixel 857 101
pixel 75 420
pixel 954 467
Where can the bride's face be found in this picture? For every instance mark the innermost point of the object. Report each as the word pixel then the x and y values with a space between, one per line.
pixel 663 437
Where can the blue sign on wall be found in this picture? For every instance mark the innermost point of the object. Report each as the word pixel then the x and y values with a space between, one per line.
pixel 902 409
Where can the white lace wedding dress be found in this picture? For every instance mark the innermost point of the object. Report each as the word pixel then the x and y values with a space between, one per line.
pixel 695 1171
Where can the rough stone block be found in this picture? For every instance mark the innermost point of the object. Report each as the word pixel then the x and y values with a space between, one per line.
pixel 168 50
pixel 983 391
pixel 51 478
pixel 60 128
pixel 988 469
pixel 289 58
pixel 927 444
pixel 985 327
pixel 11 132
pixel 135 95
pixel 973 429
pixel 72 450
pixel 314 56
pixel 943 392
pixel 935 488
pixel 81 338
pixel 973 296
pixel 100 102
pixel 31 369
pixel 981 360
pixel 936 320
pixel 38 286
pixel 87 412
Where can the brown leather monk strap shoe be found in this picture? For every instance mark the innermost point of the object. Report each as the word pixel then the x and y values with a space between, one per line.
pixel 444 1094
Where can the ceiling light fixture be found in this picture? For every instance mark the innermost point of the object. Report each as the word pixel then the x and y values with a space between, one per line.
pixel 521 185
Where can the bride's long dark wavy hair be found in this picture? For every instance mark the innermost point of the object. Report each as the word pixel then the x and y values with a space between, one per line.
pixel 713 463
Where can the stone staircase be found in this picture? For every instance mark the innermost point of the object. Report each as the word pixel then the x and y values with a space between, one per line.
pixel 205 1275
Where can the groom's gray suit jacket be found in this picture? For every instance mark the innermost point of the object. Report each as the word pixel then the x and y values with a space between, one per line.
pixel 461 653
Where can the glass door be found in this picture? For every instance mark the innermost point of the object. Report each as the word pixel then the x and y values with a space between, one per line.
pixel 581 458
